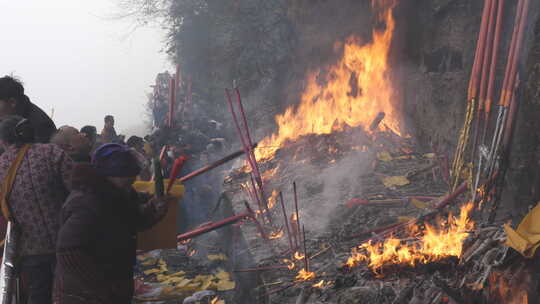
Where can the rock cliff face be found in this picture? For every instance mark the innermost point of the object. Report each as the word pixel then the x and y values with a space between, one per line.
pixel 267 47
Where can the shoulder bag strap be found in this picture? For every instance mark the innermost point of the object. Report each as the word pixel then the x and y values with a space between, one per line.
pixel 8 181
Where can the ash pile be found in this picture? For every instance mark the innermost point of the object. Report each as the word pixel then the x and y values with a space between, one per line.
pixel 377 222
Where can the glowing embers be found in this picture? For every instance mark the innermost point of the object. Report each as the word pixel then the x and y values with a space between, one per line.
pixel 319 285
pixel 276 234
pixel 272 200
pixel 510 288
pixel 430 244
pixel 290 264
pixel 299 256
pixel 304 275
pixel 352 92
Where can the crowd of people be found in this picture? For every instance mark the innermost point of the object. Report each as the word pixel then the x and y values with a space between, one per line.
pixel 69 194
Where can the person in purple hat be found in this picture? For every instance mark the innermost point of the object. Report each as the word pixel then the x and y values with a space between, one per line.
pixel 96 246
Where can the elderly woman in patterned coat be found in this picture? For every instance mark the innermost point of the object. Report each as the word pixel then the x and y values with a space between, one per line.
pixel 40 188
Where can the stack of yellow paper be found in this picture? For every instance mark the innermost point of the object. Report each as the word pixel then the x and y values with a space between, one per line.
pixel 526 238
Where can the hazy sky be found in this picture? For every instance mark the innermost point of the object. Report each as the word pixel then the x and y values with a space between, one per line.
pixel 73 57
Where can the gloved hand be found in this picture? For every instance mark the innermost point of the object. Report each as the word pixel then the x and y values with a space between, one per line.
pixel 157 207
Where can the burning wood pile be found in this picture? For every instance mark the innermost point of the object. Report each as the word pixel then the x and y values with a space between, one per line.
pixel 403 227
pixel 394 244
pixel 405 238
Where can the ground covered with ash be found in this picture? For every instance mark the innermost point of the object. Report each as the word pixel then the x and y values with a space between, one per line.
pixel 375 181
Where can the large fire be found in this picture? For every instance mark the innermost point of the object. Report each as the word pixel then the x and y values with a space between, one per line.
pixel 352 92
pixel 433 244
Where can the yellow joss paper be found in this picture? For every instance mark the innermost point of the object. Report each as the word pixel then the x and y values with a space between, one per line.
pixel 152 271
pixel 225 283
pixel 384 156
pixel 429 155
pixel 217 257
pixel 177 189
pixel 526 238
pixel 404 219
pixel 419 204
pixel 395 181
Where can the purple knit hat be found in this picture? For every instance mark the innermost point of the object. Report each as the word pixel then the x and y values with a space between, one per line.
pixel 115 160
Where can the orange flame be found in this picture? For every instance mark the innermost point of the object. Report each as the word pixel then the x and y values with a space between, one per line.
pixel 272 199
pixel 216 300
pixel 319 285
pixel 304 275
pixel 290 264
pixel 356 89
pixel 270 173
pixel 299 256
pixel 435 243
pixel 276 235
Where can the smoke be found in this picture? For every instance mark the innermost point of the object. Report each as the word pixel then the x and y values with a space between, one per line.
pixel 322 186
pixel 338 183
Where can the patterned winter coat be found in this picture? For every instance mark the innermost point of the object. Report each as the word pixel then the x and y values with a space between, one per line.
pixel 39 191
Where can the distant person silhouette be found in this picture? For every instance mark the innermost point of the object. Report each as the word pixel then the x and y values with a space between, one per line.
pixel 108 134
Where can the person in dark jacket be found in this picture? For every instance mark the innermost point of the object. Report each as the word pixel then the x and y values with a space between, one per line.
pixel 90 132
pixel 96 247
pixel 13 101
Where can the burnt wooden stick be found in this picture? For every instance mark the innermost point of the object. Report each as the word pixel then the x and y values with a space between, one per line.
pixel 387 230
pixel 212 226
pixel 414 173
pixel 222 223
pixel 294 236
pixel 378 119
pixel 212 165
pixel 243 138
pixel 266 268
pixel 450 292
pixel 286 219
pixel 406 293
pixel 441 205
pixel 451 197
pixel 377 230
pixel 248 136
pixel 251 154
pixel 306 263
pixel 278 289
pixel 297 216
